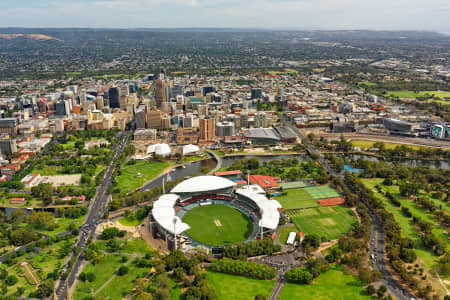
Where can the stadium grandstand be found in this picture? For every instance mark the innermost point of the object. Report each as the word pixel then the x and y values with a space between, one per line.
pixel 166 217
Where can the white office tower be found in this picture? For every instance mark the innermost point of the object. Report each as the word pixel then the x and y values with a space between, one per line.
pixel 225 129
pixel 261 120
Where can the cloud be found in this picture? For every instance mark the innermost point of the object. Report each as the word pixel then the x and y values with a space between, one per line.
pixel 317 14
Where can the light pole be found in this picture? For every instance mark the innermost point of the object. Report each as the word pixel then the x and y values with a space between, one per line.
pixel 174 220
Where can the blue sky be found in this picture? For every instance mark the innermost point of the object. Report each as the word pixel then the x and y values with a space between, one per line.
pixel 292 14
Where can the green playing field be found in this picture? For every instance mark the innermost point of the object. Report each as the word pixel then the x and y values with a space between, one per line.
pixel 322 192
pixel 217 225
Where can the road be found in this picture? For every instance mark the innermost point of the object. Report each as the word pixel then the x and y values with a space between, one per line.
pixel 376 244
pixel 96 210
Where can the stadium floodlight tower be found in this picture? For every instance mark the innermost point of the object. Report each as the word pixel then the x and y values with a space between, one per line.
pixel 174 220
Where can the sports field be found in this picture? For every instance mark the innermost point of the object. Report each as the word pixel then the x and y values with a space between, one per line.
pixel 231 287
pixel 297 198
pixel 322 192
pixel 217 225
pixel 295 184
pixel 333 284
pixel 330 221
pixel 369 144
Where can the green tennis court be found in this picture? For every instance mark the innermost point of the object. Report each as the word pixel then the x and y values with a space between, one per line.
pixel 295 184
pixel 322 192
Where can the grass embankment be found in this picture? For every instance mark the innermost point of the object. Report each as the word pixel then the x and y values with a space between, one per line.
pixel 129 180
pixel 334 284
pixel 296 198
pixel 330 221
pixel 127 221
pixel 425 257
pixel 217 225
pixel 231 287
pixel 369 144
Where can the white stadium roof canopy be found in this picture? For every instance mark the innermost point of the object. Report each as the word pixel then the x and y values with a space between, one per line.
pixel 202 184
pixel 164 214
pixel 270 216
pixel 159 149
pixel 188 149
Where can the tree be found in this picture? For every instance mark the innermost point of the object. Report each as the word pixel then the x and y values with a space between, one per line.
pixel 381 290
pixel 260 297
pixel 109 233
pixel 45 289
pixel 122 270
pixel 17 216
pixel 22 236
pixel 370 290
pixel 11 280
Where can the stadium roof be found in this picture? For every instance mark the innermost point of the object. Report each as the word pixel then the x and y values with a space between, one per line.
pixel 189 149
pixel 159 149
pixel 286 132
pixel 262 133
pixel 270 216
pixel 164 214
pixel 202 184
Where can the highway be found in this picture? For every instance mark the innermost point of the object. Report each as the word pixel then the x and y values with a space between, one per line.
pixel 96 210
pixel 376 243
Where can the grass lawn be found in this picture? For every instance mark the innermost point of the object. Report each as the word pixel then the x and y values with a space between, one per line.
pixel 128 180
pixel 333 284
pixel 64 224
pixel 45 170
pixel 425 256
pixel 191 158
pixel 296 198
pixel 234 226
pixel 329 221
pixel 137 245
pixel 369 144
pixel 284 233
pixel 218 152
pixel 103 271
pixel 322 192
pixel 41 263
pixel 366 83
pixel 175 293
pixel 127 221
pixel 231 287
pixel 121 286
pixel 403 94
pixel 438 94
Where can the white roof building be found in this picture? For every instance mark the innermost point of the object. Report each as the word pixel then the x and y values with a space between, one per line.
pixel 190 149
pixel 202 184
pixel 159 149
pixel 270 216
pixel 164 213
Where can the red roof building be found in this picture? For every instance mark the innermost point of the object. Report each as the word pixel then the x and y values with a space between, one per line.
pixel 17 201
pixel 265 182
pixel 228 173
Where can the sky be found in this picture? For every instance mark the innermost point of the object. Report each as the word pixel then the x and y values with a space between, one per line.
pixel 276 14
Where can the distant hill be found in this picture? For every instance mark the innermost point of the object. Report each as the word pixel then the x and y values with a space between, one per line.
pixel 39 37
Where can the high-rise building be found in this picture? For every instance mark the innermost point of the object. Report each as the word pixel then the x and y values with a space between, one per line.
pixel 42 105
pixel 114 97
pixel 165 122
pixel 207 89
pixel 140 117
pixel 160 92
pixel 256 93
pixel 244 119
pixel 100 103
pixel 62 108
pixel 207 129
pixel 154 118
pixel 225 129
pixel 261 119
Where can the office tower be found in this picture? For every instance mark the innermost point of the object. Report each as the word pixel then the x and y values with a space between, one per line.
pixel 256 93
pixel 100 104
pixel 261 119
pixel 175 91
pixel 165 123
pixel 202 110
pixel 114 97
pixel 207 89
pixel 154 118
pixel 42 105
pixel 225 129
pixel 160 92
pixel 140 117
pixel 62 108
pixel 244 119
pixel 9 125
pixel 8 147
pixel 207 129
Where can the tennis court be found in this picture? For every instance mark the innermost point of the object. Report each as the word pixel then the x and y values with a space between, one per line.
pixel 322 192
pixel 296 184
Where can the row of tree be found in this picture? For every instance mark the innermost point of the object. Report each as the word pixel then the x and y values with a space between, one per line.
pixel 244 268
